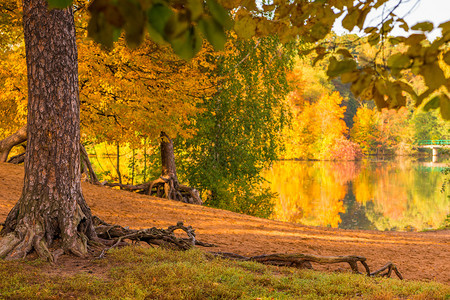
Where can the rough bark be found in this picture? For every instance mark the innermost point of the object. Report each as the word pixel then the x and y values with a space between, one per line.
pixel 51 205
pixel 8 143
pixel 21 136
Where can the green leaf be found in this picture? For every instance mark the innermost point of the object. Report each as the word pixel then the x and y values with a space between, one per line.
pixel 213 32
pixel 432 104
pixel 59 4
pixel 155 35
pixel 445 106
pixel 158 16
pixel 423 26
pixel 102 31
pixel 187 44
pixel 176 26
pixel 196 8
pixel 219 14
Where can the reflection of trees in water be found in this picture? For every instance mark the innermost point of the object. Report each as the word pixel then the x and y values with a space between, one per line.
pixel 354 216
pixel 405 196
pixel 311 193
pixel 370 195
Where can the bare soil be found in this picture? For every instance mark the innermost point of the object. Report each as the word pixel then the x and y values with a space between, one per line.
pixel 418 255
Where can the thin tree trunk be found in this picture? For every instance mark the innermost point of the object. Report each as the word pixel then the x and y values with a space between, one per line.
pixel 145 160
pixel 87 163
pixel 118 163
pixel 168 167
pixel 52 205
pixel 132 170
pixel 168 186
pixel 8 143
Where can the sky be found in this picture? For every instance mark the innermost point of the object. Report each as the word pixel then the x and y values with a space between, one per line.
pixel 413 11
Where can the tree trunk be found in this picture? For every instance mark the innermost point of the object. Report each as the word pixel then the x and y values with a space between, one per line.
pixel 52 205
pixel 168 186
pixel 8 143
pixel 168 167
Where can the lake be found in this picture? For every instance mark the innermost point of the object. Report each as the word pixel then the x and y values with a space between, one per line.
pixel 401 194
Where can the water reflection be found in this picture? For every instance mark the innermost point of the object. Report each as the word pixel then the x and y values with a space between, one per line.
pixel 382 195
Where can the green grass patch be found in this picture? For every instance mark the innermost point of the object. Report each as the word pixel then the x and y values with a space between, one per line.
pixel 138 273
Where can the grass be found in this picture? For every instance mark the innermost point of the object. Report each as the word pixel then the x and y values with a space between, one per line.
pixel 138 273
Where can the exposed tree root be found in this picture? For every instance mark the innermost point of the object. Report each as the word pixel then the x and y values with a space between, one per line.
pixel 164 187
pixel 8 143
pixel 153 236
pixel 15 245
pixel 17 159
pixel 300 260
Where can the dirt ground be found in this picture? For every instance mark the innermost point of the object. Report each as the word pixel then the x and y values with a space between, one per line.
pixel 418 255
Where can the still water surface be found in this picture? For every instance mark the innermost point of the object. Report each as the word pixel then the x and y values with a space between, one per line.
pixel 382 195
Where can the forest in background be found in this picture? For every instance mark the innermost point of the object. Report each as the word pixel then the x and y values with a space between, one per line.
pixel 230 113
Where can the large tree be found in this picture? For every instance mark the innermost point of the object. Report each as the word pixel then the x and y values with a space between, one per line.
pixel 52 204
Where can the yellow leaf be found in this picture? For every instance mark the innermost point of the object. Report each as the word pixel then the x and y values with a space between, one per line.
pixel 245 27
pixel 433 75
pixel 350 20
pixel 446 57
pixel 423 26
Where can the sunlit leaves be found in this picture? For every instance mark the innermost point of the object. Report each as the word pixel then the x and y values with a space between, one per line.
pixel 245 26
pixel 238 130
